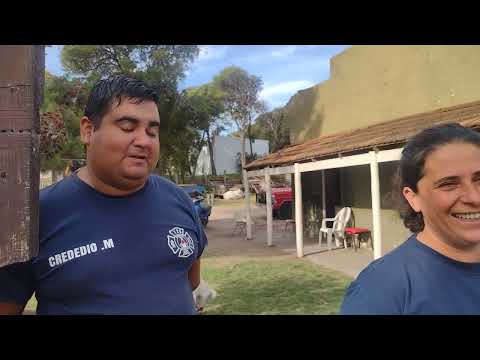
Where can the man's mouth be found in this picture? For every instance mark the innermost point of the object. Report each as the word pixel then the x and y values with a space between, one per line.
pixel 140 157
pixel 467 216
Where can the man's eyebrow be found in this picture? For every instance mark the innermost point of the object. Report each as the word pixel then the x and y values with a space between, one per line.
pixel 136 121
pixel 127 118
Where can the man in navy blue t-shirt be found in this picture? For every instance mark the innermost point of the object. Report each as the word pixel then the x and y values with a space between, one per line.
pixel 113 238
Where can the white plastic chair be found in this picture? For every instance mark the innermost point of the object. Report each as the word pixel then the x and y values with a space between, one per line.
pixel 340 222
pixel 240 219
pixel 240 223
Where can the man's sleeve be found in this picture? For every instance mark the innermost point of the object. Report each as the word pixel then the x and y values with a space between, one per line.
pixel 16 283
pixel 202 237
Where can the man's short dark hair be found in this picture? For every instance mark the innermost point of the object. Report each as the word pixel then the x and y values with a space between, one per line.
pixel 116 88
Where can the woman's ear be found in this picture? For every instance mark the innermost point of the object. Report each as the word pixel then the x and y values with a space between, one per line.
pixel 86 130
pixel 412 198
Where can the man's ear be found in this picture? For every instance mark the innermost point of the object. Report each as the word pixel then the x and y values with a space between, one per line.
pixel 412 198
pixel 86 130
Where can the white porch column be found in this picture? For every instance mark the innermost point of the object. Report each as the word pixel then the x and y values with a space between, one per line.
pixel 324 201
pixel 298 211
pixel 268 192
pixel 247 205
pixel 377 224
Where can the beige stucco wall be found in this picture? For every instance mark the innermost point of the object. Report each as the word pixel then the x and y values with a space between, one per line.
pixel 372 84
pixel 356 192
pixel 393 231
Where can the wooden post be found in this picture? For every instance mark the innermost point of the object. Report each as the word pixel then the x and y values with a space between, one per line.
pixel 247 205
pixel 298 211
pixel 21 94
pixel 324 201
pixel 377 221
pixel 268 200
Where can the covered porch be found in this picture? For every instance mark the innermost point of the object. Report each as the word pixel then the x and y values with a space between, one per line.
pixel 369 146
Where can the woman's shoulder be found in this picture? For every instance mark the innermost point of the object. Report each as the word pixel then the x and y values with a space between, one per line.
pixel 382 287
pixel 392 266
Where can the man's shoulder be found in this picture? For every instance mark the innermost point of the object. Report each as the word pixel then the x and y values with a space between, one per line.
pixel 58 191
pixel 163 183
pixel 165 186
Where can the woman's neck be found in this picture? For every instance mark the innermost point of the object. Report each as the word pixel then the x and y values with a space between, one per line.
pixel 469 253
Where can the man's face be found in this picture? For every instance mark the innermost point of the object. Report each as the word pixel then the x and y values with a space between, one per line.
pixel 125 148
pixel 449 194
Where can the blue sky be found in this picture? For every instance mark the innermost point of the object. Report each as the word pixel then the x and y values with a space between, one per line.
pixel 284 69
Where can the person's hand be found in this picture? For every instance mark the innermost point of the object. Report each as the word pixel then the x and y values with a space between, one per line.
pixel 202 294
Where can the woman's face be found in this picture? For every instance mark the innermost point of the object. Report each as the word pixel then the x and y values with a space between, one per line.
pixel 448 195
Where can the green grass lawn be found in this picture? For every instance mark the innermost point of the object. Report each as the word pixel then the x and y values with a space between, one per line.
pixel 274 287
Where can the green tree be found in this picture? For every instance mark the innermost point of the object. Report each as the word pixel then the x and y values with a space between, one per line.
pixel 207 107
pixel 273 127
pixel 241 98
pixel 63 105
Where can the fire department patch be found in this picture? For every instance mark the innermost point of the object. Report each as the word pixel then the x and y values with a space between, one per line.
pixel 180 242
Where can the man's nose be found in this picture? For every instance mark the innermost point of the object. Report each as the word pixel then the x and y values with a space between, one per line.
pixel 142 139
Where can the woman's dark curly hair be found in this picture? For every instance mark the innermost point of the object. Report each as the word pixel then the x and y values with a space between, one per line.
pixel 412 162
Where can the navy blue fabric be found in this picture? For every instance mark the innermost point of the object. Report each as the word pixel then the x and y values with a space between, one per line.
pixel 110 255
pixel 415 279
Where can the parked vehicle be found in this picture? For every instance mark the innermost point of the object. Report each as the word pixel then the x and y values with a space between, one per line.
pixel 197 194
pixel 281 202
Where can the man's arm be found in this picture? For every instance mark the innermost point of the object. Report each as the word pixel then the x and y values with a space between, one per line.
pixel 11 309
pixel 194 274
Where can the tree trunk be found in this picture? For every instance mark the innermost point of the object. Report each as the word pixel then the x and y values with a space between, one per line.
pixel 250 140
pixel 210 152
pixel 242 157
pixel 195 163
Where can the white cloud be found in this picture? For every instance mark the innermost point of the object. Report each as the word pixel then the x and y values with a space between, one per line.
pixel 277 95
pixel 287 87
pixel 287 50
pixel 211 52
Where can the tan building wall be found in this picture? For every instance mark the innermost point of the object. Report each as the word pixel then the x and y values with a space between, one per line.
pixel 372 84
pixel 351 187
pixel 356 192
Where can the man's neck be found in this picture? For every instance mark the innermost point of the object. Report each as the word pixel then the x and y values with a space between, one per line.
pixel 88 176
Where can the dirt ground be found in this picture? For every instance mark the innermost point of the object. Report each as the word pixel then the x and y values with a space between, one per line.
pixel 225 246
pixel 222 243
